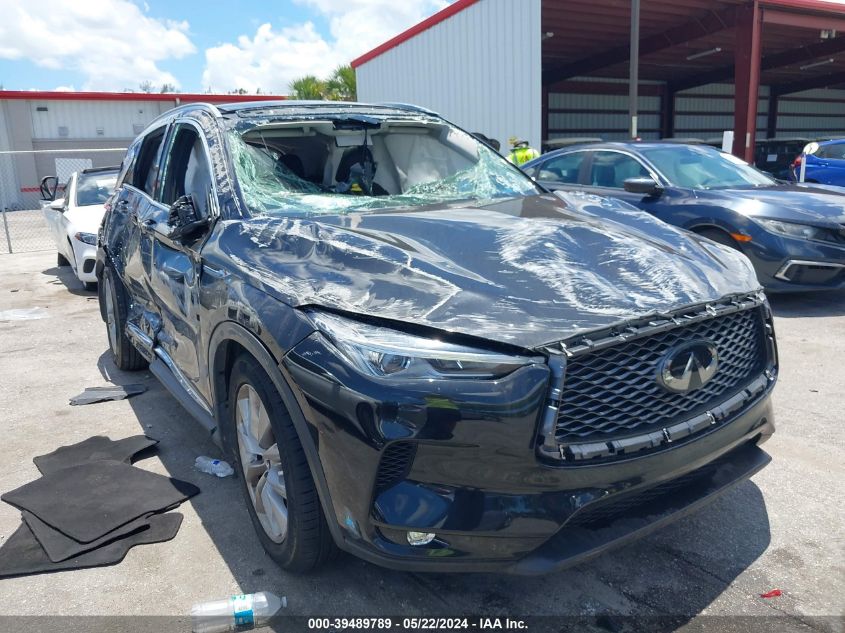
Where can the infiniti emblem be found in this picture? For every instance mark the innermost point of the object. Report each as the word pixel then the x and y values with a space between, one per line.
pixel 688 367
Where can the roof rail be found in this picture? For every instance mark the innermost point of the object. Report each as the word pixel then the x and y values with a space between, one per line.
pixel 194 105
pixel 407 106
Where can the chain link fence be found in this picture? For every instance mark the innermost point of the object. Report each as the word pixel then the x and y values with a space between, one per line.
pixel 30 181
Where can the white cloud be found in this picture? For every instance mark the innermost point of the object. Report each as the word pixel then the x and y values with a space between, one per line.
pixel 273 57
pixel 111 42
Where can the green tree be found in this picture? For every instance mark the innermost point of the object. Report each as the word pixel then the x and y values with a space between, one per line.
pixel 146 86
pixel 308 88
pixel 341 85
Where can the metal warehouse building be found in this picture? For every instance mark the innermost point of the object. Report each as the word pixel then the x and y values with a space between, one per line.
pixel 544 69
pixel 56 133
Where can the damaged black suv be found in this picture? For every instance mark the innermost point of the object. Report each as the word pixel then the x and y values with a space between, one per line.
pixel 414 353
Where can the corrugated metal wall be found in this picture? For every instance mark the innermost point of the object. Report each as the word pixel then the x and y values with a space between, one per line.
pixel 589 107
pixel 708 111
pixel 812 113
pixel 93 119
pixel 479 69
pixel 605 115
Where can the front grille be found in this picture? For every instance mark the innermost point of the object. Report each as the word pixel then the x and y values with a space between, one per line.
pixel 395 464
pixel 613 392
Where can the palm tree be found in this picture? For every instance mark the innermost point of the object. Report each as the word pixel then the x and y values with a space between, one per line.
pixel 308 88
pixel 341 85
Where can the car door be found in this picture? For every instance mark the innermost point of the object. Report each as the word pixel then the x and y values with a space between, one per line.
pixel 831 164
pixel 56 222
pixel 562 171
pixel 127 230
pixel 607 170
pixel 176 260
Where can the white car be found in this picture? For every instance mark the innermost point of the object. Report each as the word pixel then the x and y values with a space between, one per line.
pixel 75 219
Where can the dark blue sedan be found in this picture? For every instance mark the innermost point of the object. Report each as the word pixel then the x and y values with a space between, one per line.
pixel 825 163
pixel 794 234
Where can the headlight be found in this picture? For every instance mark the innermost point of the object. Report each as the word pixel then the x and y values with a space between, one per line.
pixel 803 231
pixel 87 238
pixel 384 352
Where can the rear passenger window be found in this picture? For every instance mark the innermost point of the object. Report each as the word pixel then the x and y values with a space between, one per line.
pixel 562 168
pixel 145 174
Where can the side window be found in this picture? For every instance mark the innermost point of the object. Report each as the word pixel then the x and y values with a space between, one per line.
pixel 612 169
pixel 127 166
pixel 186 170
pixel 834 151
pixel 145 173
pixel 563 168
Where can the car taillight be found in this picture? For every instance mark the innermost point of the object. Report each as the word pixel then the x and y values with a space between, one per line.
pixel 797 162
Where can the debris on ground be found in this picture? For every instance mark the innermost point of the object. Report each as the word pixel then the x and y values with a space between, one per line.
pixel 23 314
pixel 90 507
pixel 240 612
pixel 213 466
pixel 774 593
pixel 93 395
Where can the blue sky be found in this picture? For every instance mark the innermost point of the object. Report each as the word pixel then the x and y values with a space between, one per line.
pixel 250 44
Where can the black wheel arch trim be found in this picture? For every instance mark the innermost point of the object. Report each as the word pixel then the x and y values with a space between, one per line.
pixel 234 332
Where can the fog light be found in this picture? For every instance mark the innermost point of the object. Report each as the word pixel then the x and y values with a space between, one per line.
pixel 420 538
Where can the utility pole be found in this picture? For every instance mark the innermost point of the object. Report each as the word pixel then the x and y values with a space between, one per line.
pixel 634 73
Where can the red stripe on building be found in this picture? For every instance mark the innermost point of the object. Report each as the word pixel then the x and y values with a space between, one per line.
pixel 38 95
pixel 415 30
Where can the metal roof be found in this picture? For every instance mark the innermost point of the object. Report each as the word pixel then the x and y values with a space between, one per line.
pixel 590 39
pixel 689 43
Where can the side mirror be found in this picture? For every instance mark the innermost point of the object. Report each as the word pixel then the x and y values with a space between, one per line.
pixel 184 222
pixel 643 186
pixel 49 186
pixel 58 204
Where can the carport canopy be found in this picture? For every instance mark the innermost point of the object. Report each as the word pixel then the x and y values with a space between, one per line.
pixel 789 45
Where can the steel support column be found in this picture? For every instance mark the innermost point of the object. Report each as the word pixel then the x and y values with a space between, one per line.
pixel 544 112
pixel 747 79
pixel 634 74
pixel 772 119
pixel 667 112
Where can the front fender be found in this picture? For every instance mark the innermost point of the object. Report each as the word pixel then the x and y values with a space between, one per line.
pixel 232 332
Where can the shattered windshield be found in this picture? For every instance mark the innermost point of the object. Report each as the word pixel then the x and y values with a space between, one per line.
pixel 323 167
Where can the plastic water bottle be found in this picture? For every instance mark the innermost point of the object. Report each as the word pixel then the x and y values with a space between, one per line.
pixel 213 466
pixel 237 612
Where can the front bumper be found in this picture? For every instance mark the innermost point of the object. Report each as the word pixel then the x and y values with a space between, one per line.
pixel 473 477
pixel 85 259
pixel 786 264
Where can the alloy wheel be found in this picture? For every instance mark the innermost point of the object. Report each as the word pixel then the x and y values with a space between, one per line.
pixel 261 463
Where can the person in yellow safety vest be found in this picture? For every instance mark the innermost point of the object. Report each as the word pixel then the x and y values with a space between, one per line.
pixel 522 152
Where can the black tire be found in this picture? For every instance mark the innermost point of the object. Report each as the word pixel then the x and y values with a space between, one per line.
pixel 720 237
pixel 116 305
pixel 307 543
pixel 61 260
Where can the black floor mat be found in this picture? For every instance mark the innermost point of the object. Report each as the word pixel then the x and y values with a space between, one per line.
pixel 23 555
pixel 94 449
pixel 59 547
pixel 103 394
pixel 87 501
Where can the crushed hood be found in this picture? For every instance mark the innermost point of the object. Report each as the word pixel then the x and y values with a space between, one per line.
pixel 527 271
